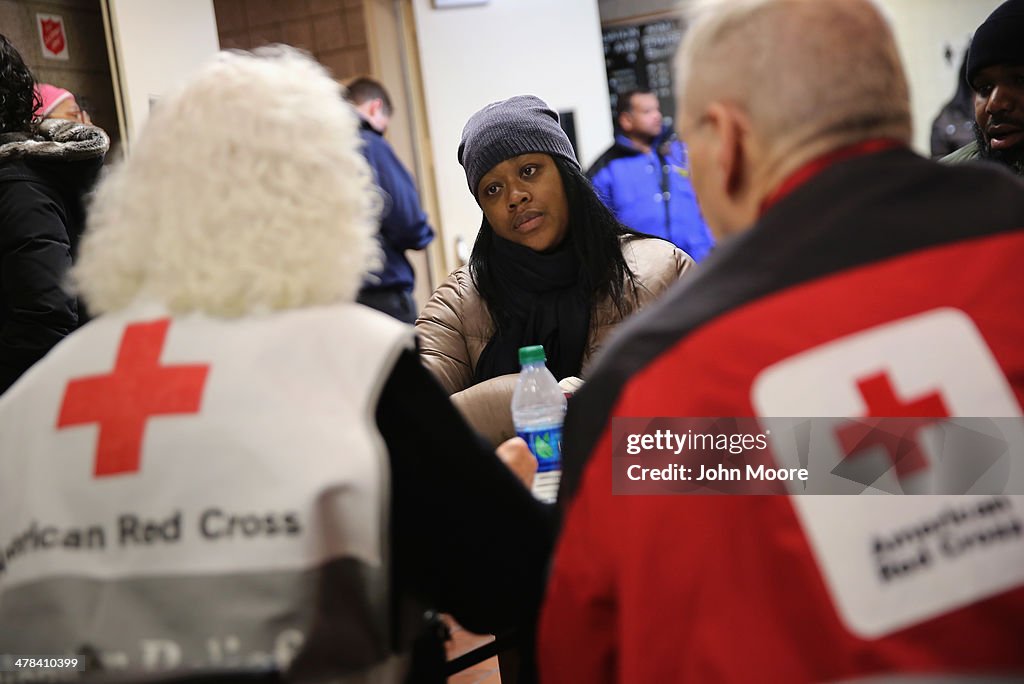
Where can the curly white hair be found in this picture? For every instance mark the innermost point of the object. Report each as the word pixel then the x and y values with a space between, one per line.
pixel 245 193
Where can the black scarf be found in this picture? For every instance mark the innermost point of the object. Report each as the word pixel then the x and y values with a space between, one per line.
pixel 545 302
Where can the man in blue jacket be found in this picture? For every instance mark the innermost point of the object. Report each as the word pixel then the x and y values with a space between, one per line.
pixel 403 224
pixel 644 177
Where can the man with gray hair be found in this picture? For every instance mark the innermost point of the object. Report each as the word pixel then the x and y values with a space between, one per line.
pixel 853 279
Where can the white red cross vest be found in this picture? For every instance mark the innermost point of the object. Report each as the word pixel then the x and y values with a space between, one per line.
pixel 193 492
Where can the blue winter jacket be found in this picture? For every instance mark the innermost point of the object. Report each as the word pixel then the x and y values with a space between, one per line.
pixel 651 192
pixel 403 224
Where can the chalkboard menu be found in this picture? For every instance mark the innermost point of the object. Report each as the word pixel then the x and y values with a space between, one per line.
pixel 640 56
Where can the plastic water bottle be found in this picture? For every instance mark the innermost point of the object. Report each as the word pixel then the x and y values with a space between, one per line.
pixel 538 411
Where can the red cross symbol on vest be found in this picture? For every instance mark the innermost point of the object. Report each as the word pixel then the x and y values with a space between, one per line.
pixel 123 400
pixel 899 438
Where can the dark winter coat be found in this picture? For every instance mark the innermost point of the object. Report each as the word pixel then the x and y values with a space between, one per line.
pixel 42 182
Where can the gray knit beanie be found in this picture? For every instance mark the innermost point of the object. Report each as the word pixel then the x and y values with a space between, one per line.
pixel 506 129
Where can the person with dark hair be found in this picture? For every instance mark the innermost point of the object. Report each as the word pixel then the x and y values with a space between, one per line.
pixel 45 169
pixel 995 72
pixel 644 177
pixel 403 224
pixel 551 265
pixel 372 101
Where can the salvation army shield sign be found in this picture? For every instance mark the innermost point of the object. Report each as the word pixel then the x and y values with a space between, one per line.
pixel 52 37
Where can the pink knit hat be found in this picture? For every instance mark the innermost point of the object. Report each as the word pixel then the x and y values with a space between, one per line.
pixel 51 96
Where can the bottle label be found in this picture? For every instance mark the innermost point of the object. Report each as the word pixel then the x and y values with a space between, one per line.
pixel 545 485
pixel 546 445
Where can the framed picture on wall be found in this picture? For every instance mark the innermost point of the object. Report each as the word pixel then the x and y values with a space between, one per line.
pixel 53 38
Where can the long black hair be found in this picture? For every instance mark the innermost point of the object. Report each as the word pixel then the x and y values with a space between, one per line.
pixel 596 236
pixel 18 98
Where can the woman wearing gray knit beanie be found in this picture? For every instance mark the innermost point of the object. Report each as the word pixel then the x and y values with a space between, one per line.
pixel 551 266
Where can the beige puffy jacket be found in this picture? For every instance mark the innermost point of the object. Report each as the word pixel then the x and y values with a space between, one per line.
pixel 455 326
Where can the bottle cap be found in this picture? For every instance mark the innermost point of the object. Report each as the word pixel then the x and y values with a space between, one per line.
pixel 534 354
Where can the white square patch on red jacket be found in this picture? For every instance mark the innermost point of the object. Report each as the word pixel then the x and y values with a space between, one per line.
pixel 890 562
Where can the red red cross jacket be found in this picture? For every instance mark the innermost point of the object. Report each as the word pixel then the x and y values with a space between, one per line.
pixel 882 281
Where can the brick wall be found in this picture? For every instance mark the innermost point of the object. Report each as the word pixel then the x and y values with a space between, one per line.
pixel 334 31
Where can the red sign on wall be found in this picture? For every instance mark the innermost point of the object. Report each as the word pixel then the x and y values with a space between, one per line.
pixel 52 37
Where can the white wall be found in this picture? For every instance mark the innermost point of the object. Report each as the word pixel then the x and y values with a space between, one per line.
pixel 471 56
pixel 158 45
pixel 923 29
